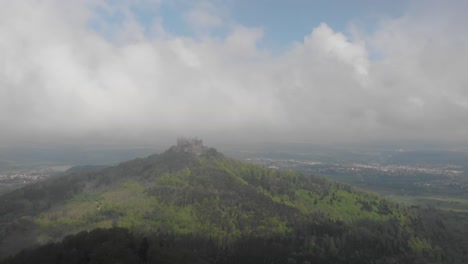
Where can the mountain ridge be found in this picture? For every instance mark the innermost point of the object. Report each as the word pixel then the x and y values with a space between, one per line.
pixel 180 192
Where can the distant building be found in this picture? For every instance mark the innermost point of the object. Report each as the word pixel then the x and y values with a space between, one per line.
pixel 192 145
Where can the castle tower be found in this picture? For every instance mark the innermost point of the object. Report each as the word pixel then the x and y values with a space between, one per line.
pixel 192 145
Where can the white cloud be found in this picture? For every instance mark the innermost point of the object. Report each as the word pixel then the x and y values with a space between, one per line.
pixel 61 80
pixel 204 17
pixel 243 41
pixel 336 44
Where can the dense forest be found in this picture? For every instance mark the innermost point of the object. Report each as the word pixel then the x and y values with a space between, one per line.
pixel 178 207
pixel 118 245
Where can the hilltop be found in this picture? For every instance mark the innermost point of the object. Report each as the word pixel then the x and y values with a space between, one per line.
pixel 195 192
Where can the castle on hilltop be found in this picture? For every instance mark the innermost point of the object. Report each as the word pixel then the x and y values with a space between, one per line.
pixel 191 145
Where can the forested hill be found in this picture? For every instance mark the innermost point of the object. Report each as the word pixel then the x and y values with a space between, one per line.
pixel 228 204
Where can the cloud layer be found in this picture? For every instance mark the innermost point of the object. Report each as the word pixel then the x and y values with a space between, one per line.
pixel 94 72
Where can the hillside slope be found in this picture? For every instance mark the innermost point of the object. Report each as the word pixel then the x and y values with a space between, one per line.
pixel 210 196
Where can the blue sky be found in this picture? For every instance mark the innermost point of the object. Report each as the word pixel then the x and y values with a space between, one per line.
pixel 285 22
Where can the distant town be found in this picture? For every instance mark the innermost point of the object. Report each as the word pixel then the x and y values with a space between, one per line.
pixel 14 178
pixel 23 177
pixel 435 176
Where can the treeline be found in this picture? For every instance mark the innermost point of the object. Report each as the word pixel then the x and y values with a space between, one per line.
pixel 322 240
pixel 118 245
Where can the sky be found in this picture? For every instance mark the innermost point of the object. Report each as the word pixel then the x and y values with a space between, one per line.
pixel 142 72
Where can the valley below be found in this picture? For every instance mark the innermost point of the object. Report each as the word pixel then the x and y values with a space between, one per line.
pixel 413 181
